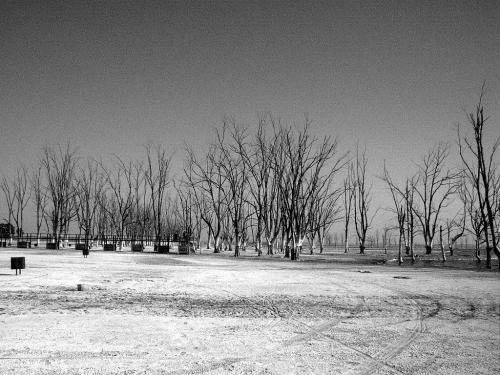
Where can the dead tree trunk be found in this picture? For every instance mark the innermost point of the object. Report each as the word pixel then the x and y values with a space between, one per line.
pixel 441 243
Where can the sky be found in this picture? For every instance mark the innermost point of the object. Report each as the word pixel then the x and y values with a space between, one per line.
pixel 111 76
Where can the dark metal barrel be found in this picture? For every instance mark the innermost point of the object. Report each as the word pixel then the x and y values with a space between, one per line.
pixel 17 263
pixel 109 247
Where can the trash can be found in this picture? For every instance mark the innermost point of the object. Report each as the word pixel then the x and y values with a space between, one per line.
pixel 137 247
pixel 109 247
pixel 17 263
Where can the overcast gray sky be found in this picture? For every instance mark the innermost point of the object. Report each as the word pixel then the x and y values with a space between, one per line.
pixel 112 75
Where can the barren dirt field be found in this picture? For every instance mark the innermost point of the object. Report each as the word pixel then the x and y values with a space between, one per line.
pixel 143 313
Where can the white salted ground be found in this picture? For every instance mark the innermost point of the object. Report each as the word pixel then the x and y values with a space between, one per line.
pixel 170 314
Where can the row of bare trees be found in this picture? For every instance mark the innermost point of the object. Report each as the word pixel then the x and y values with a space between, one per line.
pixel 279 185
pixel 123 199
pixel 475 185
pixel 423 197
pixel 481 179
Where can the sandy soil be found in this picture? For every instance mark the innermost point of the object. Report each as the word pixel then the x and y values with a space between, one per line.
pixel 168 314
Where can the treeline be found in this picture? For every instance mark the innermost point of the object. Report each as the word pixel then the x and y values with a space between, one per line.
pixel 276 187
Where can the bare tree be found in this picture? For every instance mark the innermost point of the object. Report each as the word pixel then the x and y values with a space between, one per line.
pixel 455 227
pixel 386 237
pixel 325 212
pixel 141 208
pixel 481 167
pixel 17 195
pixel 89 185
pixel 257 159
pixel 312 165
pixel 495 205
pixel 206 177
pixel 188 211
pixel 399 208
pixel 10 196
pixel 434 187
pixel 235 171
pixel 59 165
pixel 273 188
pixel 39 199
pixel 403 207
pixel 475 227
pixel 361 199
pixel 348 200
pixel 409 196
pixel 103 219
pixel 119 181
pixel 158 179
pixel 203 212
pixel 22 196
pixel 443 255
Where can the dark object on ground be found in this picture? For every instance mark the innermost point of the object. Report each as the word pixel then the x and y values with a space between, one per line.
pixel 186 248
pixel 401 277
pixel 137 247
pixel 163 249
pixel 109 247
pixel 23 244
pixel 79 287
pixel 17 263
pixel 51 245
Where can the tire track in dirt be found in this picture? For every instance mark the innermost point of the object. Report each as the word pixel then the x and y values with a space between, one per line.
pixel 314 332
pixel 394 349
pixel 473 310
pixel 387 353
pixel 375 362
pixel 321 328
pixel 369 359
pixel 372 361
pixel 318 330
pixel 391 351
pixel 200 369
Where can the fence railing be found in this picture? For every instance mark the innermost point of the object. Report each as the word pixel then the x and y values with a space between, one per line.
pixel 47 240
pixel 71 240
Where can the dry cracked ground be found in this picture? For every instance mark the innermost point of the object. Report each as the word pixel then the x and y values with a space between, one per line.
pixel 167 314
